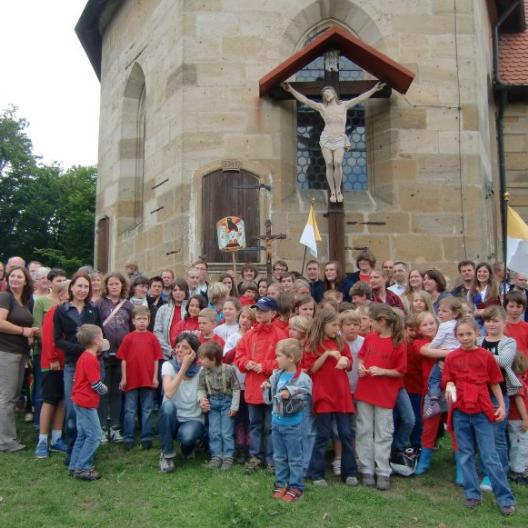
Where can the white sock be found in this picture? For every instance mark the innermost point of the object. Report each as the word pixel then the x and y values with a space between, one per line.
pixel 43 438
pixel 56 434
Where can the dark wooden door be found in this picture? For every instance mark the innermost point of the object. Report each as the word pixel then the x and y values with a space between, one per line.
pixel 220 198
pixel 103 244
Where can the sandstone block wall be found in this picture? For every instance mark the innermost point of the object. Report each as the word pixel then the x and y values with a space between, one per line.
pixel 430 153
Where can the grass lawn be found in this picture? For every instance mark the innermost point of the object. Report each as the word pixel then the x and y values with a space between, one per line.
pixel 133 493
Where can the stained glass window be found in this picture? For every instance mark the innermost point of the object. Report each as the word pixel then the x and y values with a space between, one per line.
pixel 310 162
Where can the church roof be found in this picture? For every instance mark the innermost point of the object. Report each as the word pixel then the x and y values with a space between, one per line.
pixel 335 37
pixel 513 58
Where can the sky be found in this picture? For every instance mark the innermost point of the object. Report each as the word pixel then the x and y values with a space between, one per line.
pixel 47 75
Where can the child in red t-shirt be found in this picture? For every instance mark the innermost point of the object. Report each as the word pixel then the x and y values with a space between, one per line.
pixel 382 363
pixel 207 324
pixel 140 353
pixel 190 322
pixel 86 391
pixel 327 360
pixel 518 424
pixel 516 327
pixel 470 373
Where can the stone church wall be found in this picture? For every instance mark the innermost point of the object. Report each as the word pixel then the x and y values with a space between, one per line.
pixel 431 153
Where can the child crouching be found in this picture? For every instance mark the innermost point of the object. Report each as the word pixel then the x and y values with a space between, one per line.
pixel 288 390
pixel 219 395
pixel 86 391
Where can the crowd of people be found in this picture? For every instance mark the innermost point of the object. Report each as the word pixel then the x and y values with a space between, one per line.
pixel 273 372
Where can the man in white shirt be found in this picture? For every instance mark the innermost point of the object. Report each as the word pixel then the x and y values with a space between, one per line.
pixel 400 274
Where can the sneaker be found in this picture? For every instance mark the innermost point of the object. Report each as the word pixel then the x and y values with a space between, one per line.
pixel 351 481
pixel 214 463
pixel 336 466
pixel 279 492
pixel 28 417
pixel 146 444
pixel 104 436
pixel 383 483
pixel 507 510
pixel 320 483
pixel 292 495
pixel 485 484
pixel 227 463
pixel 87 474
pixel 432 409
pixel 471 503
pixel 115 436
pixel 166 464
pixel 59 446
pixel 42 450
pixel 252 464
pixel 368 480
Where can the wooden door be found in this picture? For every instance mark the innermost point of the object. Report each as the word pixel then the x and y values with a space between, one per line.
pixel 221 196
pixel 103 244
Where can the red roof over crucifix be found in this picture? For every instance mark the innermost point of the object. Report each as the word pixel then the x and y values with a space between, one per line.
pixel 335 37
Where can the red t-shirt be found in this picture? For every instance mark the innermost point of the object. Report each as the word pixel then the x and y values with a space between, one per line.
pixel 140 350
pixel 514 412
pixel 377 351
pixel 189 324
pixel 215 338
pixel 330 386
pixel 87 373
pixel 427 363
pixel 472 371
pixel 519 332
pixel 49 351
pixel 364 277
pixel 246 301
pixel 413 381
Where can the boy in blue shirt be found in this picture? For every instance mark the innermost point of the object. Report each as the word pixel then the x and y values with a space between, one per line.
pixel 287 390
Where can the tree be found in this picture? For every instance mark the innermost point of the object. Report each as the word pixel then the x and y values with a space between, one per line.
pixel 45 213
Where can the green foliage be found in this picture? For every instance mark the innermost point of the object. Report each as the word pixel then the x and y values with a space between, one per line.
pixel 45 213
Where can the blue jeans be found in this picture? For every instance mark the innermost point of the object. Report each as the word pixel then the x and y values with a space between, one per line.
pixel 324 433
pixel 308 433
pixel 501 436
pixel 403 421
pixel 288 455
pixel 88 438
pixel 416 435
pixel 433 383
pixel 145 397
pixel 70 429
pixel 221 427
pixel 260 432
pixel 36 396
pixel 471 427
pixel 187 433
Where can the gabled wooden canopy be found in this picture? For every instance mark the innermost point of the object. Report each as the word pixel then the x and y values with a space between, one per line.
pixel 335 37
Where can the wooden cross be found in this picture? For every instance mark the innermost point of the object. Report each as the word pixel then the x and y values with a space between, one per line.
pixel 268 238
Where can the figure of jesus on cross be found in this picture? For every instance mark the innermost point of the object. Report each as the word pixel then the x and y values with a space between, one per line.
pixel 333 140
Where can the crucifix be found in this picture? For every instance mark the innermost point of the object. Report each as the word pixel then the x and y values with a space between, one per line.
pixel 268 238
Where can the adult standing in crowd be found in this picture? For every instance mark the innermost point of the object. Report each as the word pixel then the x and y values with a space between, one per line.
pixel 193 281
pixel 203 269
pixel 33 267
pixel 435 285
pixel 400 271
pixel 116 321
pixel 388 268
pixel 484 291
pixel 41 284
pixel 167 276
pixel 11 263
pixel 466 272
pixel 280 267
pixel 380 294
pixel 313 273
pixel 16 337
pixel 96 279
pixel 67 319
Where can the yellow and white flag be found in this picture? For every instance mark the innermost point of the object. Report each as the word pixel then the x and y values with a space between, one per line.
pixel 310 235
pixel 517 242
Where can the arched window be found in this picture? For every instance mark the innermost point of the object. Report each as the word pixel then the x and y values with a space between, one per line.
pixel 310 162
pixel 132 152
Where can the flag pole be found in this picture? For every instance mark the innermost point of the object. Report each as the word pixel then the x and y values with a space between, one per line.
pixel 304 259
pixel 506 199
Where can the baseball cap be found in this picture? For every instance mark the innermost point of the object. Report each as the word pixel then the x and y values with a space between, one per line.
pixel 266 304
